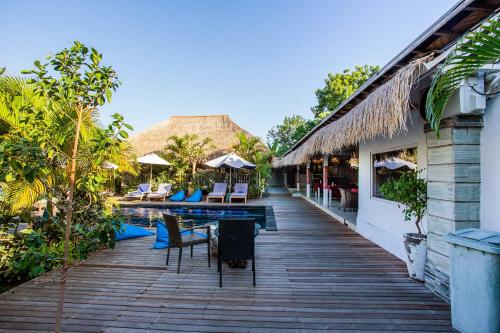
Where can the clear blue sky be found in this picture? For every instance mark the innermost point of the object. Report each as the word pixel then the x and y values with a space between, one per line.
pixel 257 61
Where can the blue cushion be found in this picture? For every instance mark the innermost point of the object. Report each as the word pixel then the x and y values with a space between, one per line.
pixel 179 196
pixel 162 236
pixel 144 188
pixel 131 231
pixel 195 197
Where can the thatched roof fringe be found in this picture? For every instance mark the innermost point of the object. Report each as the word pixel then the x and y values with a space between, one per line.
pixel 384 112
pixel 220 128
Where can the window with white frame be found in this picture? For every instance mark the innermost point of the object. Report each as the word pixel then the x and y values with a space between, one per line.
pixel 390 165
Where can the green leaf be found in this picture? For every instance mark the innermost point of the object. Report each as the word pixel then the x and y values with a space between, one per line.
pixel 108 95
pixel 123 134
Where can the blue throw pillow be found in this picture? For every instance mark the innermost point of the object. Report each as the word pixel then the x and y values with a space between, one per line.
pixel 131 231
pixel 195 197
pixel 179 196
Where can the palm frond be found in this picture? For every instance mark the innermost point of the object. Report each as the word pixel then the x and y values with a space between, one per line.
pixel 474 50
pixel 21 195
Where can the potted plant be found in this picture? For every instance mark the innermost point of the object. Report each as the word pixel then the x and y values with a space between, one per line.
pixel 410 191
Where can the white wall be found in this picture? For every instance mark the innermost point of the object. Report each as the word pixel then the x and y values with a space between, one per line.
pixel 490 167
pixel 379 220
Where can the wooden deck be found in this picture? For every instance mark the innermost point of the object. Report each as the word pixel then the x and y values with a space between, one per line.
pixel 313 274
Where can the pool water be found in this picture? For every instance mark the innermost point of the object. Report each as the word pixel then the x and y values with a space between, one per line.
pixel 148 216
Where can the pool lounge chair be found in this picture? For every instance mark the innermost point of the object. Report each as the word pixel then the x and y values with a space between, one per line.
pixel 240 192
pixel 164 190
pixel 142 191
pixel 219 192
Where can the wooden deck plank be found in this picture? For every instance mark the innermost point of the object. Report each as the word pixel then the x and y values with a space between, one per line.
pixel 313 275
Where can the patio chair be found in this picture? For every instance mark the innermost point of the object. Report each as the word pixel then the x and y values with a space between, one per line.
pixel 142 191
pixel 348 200
pixel 236 242
pixel 184 239
pixel 219 192
pixel 240 192
pixel 164 190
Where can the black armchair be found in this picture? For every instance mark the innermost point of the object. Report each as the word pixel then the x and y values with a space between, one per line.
pixel 184 239
pixel 236 242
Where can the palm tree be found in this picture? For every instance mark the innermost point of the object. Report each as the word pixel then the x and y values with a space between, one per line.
pixel 186 152
pixel 473 51
pixel 248 147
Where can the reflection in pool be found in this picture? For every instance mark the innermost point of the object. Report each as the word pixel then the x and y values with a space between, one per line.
pixel 147 216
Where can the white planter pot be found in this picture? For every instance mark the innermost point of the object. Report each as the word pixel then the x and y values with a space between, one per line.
pixel 416 249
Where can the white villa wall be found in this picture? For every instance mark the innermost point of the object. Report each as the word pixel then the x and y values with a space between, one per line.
pixel 490 167
pixel 379 220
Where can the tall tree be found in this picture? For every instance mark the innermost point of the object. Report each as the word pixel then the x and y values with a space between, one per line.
pixel 339 86
pixel 282 137
pixel 80 84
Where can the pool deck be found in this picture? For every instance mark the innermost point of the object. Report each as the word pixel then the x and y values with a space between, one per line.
pixel 313 275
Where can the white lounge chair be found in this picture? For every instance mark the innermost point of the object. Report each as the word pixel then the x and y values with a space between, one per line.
pixel 240 192
pixel 219 192
pixel 164 190
pixel 142 191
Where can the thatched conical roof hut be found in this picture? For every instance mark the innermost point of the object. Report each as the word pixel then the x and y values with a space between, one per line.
pixel 220 128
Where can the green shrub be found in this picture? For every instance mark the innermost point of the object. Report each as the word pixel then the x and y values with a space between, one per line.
pixel 410 191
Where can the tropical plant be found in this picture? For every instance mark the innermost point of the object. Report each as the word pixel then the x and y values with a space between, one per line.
pixel 253 150
pixel 409 190
pixel 75 81
pixel 248 146
pixel 473 51
pixel 186 152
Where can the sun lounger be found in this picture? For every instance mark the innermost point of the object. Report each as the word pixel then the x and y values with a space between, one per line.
pixel 240 192
pixel 164 190
pixel 142 191
pixel 219 192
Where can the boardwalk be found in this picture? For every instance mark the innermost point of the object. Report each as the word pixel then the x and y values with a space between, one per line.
pixel 313 274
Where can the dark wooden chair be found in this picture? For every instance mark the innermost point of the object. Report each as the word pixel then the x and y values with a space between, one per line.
pixel 236 242
pixel 187 238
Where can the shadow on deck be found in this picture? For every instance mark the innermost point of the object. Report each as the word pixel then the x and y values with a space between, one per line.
pixel 312 275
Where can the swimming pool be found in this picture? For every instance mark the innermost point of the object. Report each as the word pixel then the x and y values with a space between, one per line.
pixel 148 215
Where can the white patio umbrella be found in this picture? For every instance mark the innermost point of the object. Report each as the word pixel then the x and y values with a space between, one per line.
pixel 232 161
pixel 109 165
pixel 152 159
pixel 394 163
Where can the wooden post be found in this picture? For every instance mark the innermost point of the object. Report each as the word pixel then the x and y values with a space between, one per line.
pixel 285 177
pixel 297 178
pixel 325 180
pixel 308 179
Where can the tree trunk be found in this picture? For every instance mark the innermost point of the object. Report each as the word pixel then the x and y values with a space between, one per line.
pixel 417 224
pixel 69 217
pixel 194 167
pixel 50 205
